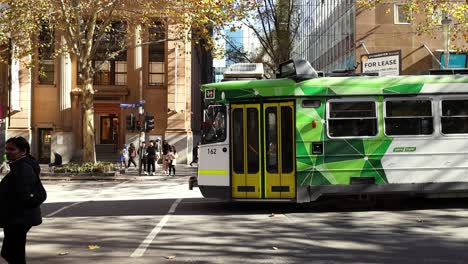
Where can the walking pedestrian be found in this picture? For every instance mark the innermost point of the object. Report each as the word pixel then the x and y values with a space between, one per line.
pixel 123 156
pixel 172 157
pixel 19 208
pixel 165 150
pixel 142 154
pixel 150 158
pixel 131 155
pixel 195 155
pixel 157 148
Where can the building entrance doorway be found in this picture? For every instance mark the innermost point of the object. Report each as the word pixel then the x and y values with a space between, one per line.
pixel 109 130
pixel 45 144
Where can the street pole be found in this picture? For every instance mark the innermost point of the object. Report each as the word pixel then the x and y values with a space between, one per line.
pixel 446 21
pixel 141 111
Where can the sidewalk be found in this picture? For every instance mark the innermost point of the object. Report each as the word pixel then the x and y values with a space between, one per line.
pixel 130 174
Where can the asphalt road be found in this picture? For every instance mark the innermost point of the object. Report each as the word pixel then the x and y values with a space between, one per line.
pixel 161 221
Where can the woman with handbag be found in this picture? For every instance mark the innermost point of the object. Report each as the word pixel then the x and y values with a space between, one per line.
pixel 21 193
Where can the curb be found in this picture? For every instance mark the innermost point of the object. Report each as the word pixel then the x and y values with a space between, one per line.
pixel 72 177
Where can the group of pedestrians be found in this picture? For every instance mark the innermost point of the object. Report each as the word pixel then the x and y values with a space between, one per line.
pixel 150 156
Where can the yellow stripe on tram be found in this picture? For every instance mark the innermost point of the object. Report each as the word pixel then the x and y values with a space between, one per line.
pixel 213 172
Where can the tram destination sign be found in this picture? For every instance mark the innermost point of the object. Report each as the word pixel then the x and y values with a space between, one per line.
pixel 384 63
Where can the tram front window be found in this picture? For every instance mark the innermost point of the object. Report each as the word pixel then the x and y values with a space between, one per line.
pixel 214 127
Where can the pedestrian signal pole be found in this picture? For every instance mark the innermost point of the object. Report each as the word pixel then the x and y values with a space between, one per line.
pixel 141 135
pixel 133 123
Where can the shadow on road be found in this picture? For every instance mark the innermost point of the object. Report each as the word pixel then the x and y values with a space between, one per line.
pixel 201 206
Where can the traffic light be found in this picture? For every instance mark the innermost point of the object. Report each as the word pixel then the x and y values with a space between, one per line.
pixel 138 125
pixel 149 122
pixel 130 122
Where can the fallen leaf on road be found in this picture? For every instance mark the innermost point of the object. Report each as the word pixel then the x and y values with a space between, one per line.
pixel 63 253
pixel 169 257
pixel 93 247
pixel 274 248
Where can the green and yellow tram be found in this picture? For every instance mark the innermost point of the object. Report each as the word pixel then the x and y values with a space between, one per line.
pixel 300 137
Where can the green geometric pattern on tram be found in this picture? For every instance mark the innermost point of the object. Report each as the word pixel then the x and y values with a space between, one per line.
pixel 349 161
pixel 344 170
pixel 237 94
pixel 376 146
pixel 347 165
pixel 306 171
pixel 404 88
pixel 301 148
pixel 341 150
pixel 318 178
pixel 304 124
pixel 313 90
pixel 330 91
pixel 373 168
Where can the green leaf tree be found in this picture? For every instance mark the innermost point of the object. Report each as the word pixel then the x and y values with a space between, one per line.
pixel 90 32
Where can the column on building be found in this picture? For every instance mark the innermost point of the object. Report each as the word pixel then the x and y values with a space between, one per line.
pixel 20 99
pixel 135 84
pixel 178 130
pixel 63 139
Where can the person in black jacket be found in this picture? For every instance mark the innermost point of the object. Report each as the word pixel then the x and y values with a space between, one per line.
pixel 17 216
pixel 150 158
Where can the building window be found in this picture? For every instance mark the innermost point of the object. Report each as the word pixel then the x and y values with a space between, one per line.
pixel 156 54
pixel 405 117
pixel 111 69
pixel 46 55
pixel 454 117
pixel 402 14
pixel 102 76
pixel 120 73
pixel 352 118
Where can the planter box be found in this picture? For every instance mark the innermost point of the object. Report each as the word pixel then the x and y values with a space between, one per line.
pixel 70 174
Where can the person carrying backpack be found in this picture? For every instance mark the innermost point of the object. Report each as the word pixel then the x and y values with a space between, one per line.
pixel 21 194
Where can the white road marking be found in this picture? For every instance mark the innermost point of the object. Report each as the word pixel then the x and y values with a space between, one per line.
pixel 64 208
pixel 149 239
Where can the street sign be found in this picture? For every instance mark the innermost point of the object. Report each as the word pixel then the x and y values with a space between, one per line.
pixel 125 105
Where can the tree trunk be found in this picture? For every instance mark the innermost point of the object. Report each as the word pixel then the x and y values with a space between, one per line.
pixel 89 147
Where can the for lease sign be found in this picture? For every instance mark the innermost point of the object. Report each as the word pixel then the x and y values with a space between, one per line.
pixel 384 63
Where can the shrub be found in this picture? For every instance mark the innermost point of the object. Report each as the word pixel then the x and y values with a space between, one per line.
pixel 87 167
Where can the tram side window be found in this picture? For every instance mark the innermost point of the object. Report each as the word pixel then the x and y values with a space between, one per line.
pixel 408 117
pixel 271 140
pixel 352 119
pixel 454 116
pixel 238 140
pixel 253 158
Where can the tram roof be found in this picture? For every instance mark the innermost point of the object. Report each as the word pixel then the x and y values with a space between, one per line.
pixel 336 86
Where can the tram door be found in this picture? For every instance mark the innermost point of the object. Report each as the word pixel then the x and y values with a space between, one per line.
pixel 246 146
pixel 262 157
pixel 279 154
